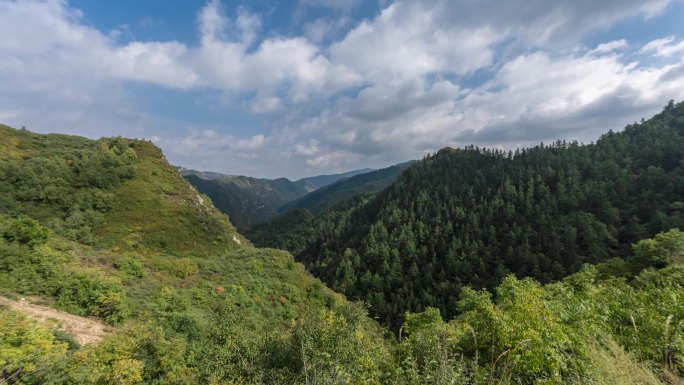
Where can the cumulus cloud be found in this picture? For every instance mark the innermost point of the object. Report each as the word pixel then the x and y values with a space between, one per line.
pixel 348 92
pixel 402 42
pixel 531 98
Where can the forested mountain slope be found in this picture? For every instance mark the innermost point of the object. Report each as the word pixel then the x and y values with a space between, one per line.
pixel 324 198
pixel 107 229
pixel 313 183
pixel 249 201
pixel 470 216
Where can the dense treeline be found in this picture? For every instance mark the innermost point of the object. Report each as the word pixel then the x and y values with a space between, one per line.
pixel 608 324
pixel 471 216
pixel 296 229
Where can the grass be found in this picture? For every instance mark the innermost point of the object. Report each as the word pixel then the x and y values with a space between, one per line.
pixel 611 365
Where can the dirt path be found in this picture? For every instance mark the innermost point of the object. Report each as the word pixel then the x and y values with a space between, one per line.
pixel 84 330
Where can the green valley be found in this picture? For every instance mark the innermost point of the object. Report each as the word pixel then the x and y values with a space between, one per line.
pixel 251 201
pixel 107 229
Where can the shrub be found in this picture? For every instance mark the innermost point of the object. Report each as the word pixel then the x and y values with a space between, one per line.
pixel 91 293
pixel 26 231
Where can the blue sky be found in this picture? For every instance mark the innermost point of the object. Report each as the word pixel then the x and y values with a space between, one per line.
pixel 306 87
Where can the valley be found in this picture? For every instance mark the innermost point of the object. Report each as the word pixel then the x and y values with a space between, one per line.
pixel 552 264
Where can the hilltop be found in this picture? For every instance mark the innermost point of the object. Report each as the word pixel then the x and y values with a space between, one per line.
pixel 108 229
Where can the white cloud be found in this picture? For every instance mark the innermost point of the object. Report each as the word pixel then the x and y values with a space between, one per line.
pixel 265 104
pixel 403 43
pixel 611 46
pixel 368 92
pixel 665 47
pixel 253 143
pixel 531 98
pixel 159 63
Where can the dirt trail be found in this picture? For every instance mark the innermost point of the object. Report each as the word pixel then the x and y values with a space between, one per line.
pixel 84 330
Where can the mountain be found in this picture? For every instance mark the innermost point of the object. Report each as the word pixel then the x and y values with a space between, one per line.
pixel 325 197
pixel 315 182
pixel 202 174
pixel 249 201
pixel 107 229
pixel 469 217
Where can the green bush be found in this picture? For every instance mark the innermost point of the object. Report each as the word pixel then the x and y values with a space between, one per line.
pixel 91 293
pixel 26 231
pixel 131 266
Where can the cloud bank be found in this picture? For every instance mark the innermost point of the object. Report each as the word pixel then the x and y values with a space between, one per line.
pixel 413 78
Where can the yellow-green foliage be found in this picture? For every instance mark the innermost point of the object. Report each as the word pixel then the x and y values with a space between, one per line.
pixel 28 350
pixel 140 353
pixel 611 364
pixel 113 192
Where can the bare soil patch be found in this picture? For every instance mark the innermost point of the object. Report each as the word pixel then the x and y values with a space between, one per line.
pixel 85 330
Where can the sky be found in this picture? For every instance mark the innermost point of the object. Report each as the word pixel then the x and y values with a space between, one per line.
pixel 305 87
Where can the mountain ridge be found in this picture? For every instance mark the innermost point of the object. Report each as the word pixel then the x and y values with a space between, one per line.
pixel 249 201
pixel 470 216
pixel 327 196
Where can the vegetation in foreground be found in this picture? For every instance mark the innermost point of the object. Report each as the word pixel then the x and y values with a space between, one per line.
pixel 607 324
pixel 192 302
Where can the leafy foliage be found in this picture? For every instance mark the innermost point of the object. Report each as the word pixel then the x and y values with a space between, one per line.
pixel 28 351
pixel 470 217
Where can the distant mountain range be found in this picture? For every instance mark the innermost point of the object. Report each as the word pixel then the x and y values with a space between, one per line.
pixel 325 197
pixel 249 201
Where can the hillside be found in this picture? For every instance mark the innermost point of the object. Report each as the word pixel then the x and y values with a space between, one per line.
pixel 249 201
pixel 312 183
pixel 113 193
pixel 108 230
pixel 202 174
pixel 469 217
pixel 325 197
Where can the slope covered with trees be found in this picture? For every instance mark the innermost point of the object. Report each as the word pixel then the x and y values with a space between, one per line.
pixel 326 197
pixel 249 201
pixel 471 216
